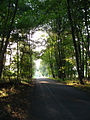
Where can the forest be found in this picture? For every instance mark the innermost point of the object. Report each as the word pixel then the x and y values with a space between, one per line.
pixel 67 53
pixel 62 29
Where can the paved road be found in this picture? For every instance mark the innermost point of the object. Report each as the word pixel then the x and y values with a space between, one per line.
pixel 54 101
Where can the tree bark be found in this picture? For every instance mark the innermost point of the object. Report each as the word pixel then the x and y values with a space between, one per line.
pixel 5 26
pixel 86 8
pixel 51 64
pixel 74 41
pixel 3 51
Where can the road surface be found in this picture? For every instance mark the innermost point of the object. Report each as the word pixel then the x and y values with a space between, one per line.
pixel 54 101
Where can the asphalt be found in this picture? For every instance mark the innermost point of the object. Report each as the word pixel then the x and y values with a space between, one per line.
pixel 54 101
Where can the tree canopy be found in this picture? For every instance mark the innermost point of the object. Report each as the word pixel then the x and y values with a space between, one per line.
pixel 67 53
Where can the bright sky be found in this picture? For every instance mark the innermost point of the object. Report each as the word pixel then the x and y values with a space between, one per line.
pixel 37 36
pixel 37 62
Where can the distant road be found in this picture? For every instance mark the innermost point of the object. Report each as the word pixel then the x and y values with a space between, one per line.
pixel 54 101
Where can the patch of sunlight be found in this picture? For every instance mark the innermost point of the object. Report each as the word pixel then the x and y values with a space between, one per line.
pixel 87 82
pixel 3 93
pixel 26 83
pixel 12 90
pixel 70 83
pixel 73 82
pixel 44 82
pixel 6 92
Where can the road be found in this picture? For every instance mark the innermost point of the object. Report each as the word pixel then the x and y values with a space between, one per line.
pixel 54 101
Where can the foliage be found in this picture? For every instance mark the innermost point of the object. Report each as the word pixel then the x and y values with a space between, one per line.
pixel 67 47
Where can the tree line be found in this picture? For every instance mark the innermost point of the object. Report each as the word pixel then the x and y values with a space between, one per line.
pixel 67 51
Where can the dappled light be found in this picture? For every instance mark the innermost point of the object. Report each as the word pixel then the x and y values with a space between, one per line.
pixel 44 82
pixel 44 60
pixel 13 105
pixel 5 92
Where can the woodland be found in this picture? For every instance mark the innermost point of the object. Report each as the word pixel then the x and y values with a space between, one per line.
pixel 67 53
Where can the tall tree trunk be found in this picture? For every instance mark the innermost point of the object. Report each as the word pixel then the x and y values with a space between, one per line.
pixel 74 41
pixel 3 51
pixel 59 57
pixel 86 24
pixel 17 61
pixel 80 56
pixel 82 53
pixel 10 62
pixel 86 8
pixel 30 56
pixel 86 61
pixel 57 61
pixel 5 27
pixel 21 60
pixel 51 64
pixel 59 46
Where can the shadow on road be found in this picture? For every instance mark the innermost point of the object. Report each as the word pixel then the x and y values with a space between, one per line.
pixel 54 101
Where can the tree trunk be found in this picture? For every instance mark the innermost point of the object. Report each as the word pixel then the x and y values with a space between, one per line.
pixel 17 61
pixel 3 51
pixel 51 64
pixel 74 41
pixel 87 37
pixel 30 56
pixel 5 26
pixel 57 61
pixel 83 46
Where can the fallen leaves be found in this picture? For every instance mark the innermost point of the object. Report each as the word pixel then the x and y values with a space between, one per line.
pixel 14 102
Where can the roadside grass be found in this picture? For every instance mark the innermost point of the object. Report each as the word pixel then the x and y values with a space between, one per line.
pixel 85 88
pixel 75 83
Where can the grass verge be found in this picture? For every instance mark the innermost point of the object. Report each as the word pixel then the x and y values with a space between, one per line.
pixel 75 83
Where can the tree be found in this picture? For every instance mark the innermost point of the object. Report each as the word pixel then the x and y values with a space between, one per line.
pixel 6 34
